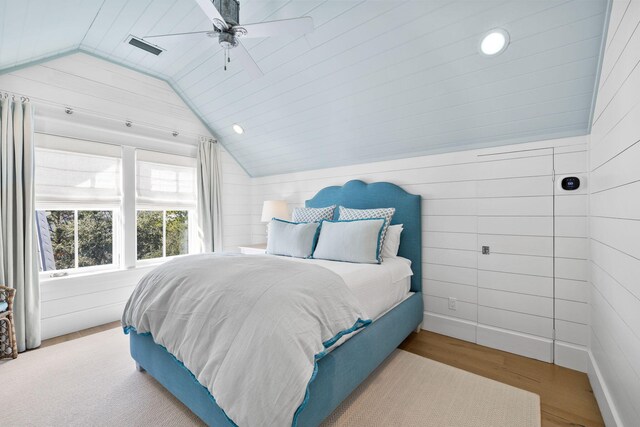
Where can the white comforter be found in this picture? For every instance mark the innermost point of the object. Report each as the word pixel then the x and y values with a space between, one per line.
pixel 249 328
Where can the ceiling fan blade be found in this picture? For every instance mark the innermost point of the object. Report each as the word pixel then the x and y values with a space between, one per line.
pixel 292 27
pixel 178 34
pixel 212 13
pixel 242 55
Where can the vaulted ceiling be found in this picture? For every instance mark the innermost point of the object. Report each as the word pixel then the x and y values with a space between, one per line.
pixel 376 80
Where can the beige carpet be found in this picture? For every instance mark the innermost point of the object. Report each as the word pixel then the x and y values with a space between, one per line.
pixel 91 381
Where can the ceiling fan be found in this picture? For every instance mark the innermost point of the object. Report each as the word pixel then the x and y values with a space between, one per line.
pixel 225 17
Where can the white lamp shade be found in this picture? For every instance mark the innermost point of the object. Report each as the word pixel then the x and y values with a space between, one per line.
pixel 274 209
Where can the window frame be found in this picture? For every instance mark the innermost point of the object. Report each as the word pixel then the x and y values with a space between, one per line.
pixel 146 204
pixel 124 211
pixel 192 233
pixel 115 239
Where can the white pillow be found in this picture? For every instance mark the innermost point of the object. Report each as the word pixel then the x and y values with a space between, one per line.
pixel 350 241
pixel 292 239
pixel 386 213
pixel 392 241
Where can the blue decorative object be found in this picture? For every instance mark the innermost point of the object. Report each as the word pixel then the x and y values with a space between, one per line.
pixel 339 372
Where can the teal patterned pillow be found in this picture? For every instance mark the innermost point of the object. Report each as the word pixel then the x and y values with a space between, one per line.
pixel 312 214
pixel 386 213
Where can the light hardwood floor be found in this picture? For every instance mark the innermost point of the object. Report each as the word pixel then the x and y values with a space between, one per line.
pixel 79 334
pixel 565 395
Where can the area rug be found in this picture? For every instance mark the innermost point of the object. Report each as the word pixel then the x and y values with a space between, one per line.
pixel 92 381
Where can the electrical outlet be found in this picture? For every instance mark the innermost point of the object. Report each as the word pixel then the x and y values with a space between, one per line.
pixel 452 303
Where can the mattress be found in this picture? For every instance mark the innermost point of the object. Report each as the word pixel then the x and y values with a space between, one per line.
pixel 378 287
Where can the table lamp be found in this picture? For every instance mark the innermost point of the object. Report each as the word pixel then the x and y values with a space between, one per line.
pixel 274 209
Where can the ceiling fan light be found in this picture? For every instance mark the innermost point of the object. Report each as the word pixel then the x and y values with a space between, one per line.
pixel 238 129
pixel 494 42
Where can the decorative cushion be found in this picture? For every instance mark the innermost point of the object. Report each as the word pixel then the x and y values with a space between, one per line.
pixel 392 241
pixel 4 306
pixel 291 238
pixel 386 213
pixel 312 214
pixel 350 241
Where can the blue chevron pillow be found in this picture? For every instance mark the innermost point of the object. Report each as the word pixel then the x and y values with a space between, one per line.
pixel 312 214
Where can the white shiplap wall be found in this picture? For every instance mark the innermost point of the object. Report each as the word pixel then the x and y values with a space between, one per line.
pixel 571 254
pixel 504 198
pixel 614 370
pixel 91 85
pixel 236 196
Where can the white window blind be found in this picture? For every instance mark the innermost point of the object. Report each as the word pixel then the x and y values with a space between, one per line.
pixel 76 172
pixel 165 180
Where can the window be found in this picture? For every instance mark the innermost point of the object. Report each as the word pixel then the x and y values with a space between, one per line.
pixel 78 196
pixel 162 233
pixel 165 203
pixel 102 206
pixel 76 238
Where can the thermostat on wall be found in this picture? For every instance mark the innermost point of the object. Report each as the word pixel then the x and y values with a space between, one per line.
pixel 570 183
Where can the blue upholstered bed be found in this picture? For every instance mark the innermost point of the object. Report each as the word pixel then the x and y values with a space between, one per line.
pixel 343 369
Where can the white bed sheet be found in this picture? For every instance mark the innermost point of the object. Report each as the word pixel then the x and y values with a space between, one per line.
pixel 378 287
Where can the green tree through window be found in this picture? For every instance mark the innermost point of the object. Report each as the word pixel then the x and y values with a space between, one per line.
pixel 95 238
pixel 94 241
pixel 162 233
pixel 62 229
pixel 177 233
pixel 149 234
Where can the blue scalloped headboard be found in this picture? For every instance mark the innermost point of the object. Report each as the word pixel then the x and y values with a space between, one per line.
pixel 360 195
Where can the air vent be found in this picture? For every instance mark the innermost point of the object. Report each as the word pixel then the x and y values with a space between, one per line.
pixel 147 47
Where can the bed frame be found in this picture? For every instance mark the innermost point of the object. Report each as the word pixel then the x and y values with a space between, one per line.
pixel 343 369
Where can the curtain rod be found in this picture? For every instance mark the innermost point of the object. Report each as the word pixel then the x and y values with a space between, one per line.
pixel 6 95
pixel 128 123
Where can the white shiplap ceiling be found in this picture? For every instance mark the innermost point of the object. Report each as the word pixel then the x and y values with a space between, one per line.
pixel 376 80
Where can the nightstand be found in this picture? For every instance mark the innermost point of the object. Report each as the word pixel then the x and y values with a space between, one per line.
pixel 259 249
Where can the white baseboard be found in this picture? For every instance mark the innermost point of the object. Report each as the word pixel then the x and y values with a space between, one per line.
pixel 450 326
pixel 571 356
pixel 501 339
pixel 516 342
pixel 603 396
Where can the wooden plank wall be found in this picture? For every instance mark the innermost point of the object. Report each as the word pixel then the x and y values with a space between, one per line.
pixel 502 197
pixel 614 370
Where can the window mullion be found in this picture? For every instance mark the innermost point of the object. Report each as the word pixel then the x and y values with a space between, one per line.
pixel 128 244
pixel 164 233
pixel 76 241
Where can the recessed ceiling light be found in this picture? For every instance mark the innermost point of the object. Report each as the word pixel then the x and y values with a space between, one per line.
pixel 494 42
pixel 238 129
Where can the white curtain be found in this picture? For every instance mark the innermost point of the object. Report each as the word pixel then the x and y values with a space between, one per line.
pixel 18 253
pixel 209 197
